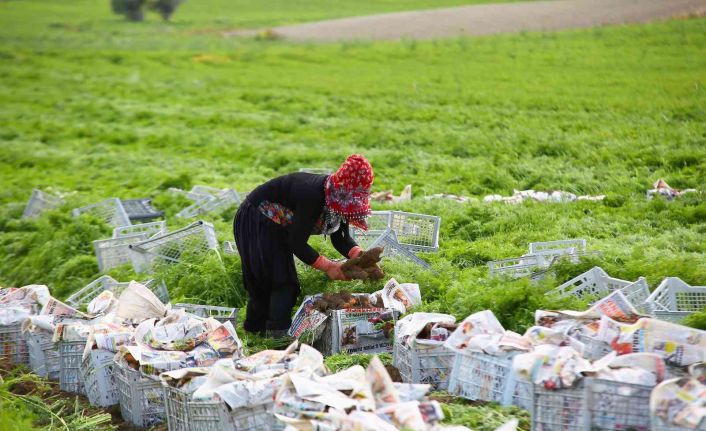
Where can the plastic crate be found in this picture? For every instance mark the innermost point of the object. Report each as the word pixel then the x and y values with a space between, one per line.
pixel 594 282
pixel 516 267
pixel 176 407
pixel 196 238
pixel 657 424
pixel 114 252
pixel 593 349
pixel 13 345
pixel 419 363
pixel 98 373
pixel 222 314
pixel 318 171
pixel 141 398
pixel 592 404
pixel 140 209
pixel 152 229
pixel 415 232
pixel 70 353
pixel 394 249
pixel 330 343
pixel 208 203
pixel 479 376
pixel 229 247
pixel 637 293
pixel 556 248
pixel 111 211
pixel 40 202
pixel 378 224
pixel 105 282
pixel 43 354
pixel 674 299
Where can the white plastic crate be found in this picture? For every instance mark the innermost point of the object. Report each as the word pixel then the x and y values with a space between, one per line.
pixel 152 229
pixel 111 211
pixel 479 376
pixel 674 299
pixel 557 248
pixel 13 345
pixel 516 267
pixel 140 209
pixel 105 282
pixel 39 202
pixel 593 349
pixel 222 314
pixel 70 353
pixel 141 398
pixel 348 331
pixel 318 171
pixel 415 232
pixel 393 249
pixel 43 354
pixel 378 224
pixel 208 203
pixel 592 404
pixel 196 238
pixel 419 363
pixel 229 247
pixel 113 252
pixel 98 373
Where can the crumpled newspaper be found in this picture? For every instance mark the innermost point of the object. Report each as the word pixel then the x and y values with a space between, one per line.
pixel 661 188
pixel 518 196
pixel 138 303
pixel 680 403
pixel 408 328
pixel 399 297
pixel 387 196
pixel 104 303
pixel 549 365
pixel 177 331
pixel 482 332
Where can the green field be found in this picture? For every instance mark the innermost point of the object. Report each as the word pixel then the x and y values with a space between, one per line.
pixel 95 107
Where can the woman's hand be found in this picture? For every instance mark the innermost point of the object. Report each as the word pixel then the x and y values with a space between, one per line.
pixel 332 269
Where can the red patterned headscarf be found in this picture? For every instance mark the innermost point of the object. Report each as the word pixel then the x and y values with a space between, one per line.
pixel 348 190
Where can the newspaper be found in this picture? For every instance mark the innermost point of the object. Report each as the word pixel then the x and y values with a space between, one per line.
pixel 249 393
pixel 224 340
pixel 362 331
pixel 479 332
pixel 401 297
pixel 31 294
pixel 54 307
pixel 616 306
pixel 306 319
pixel 103 303
pixel 550 365
pixel 676 344
pixel 183 334
pixel 680 403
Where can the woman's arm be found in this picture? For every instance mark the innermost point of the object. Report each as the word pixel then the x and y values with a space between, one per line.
pixel 344 243
pixel 305 215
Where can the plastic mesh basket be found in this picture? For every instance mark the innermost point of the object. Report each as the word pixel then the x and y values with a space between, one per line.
pixel 556 248
pixel 153 228
pixel 98 373
pixel 111 211
pixel 416 232
pixel 394 249
pixel 140 209
pixel 222 314
pixel 378 224
pixel 141 398
pixel 330 343
pixel 674 299
pixel 40 202
pixel 197 238
pixel 114 252
pixel 318 171
pixel 479 376
pixel 87 293
pixel 70 353
pixel 419 363
pixel 176 406
pixel 43 354
pixel 592 404
pixel 13 345
pixel 516 267
pixel 229 247
pixel 208 203
pixel 593 349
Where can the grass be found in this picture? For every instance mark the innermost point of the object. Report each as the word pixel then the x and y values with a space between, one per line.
pixel 96 107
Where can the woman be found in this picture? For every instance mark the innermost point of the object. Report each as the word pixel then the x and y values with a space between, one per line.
pixel 274 224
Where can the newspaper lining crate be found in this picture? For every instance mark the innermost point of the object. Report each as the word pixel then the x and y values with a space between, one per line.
pixel 70 353
pixel 39 202
pixel 479 376
pixel 140 209
pixel 152 229
pixel 141 398
pixel 111 211
pixel 98 373
pixel 674 299
pixel 113 252
pixel 419 363
pixel 657 424
pixel 106 282
pixel 13 345
pixel 222 314
pixel 43 354
pixel 344 331
pixel 198 237
pixel 593 349
pixel 592 404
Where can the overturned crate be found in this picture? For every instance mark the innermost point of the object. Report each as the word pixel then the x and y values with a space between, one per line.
pixel 393 249
pixel 196 238
pixel 39 202
pixel 105 282
pixel 100 381
pixel 151 229
pixel 140 209
pixel 110 211
pixel 141 398
pixel 70 355
pixel 43 354
pixel 366 330
pixel 592 404
pixel 13 345
pixel 597 283
pixel 479 376
pixel 415 232
pixel 424 363
pixel 208 203
pixel 222 314
pixel 673 300
pixel 516 267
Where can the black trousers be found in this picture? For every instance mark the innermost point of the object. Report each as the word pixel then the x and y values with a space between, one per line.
pixel 269 274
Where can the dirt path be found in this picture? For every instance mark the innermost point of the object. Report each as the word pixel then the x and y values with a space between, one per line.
pixel 488 19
